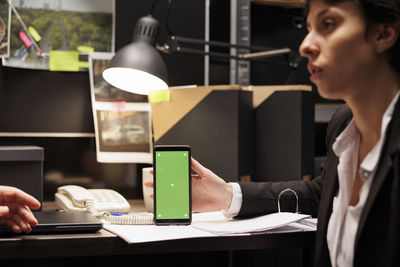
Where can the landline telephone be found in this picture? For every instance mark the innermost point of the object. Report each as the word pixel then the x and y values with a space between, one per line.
pixel 102 203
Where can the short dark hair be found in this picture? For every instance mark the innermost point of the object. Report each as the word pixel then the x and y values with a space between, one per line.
pixel 377 11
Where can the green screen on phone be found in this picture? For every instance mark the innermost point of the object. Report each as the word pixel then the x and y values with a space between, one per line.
pixel 172 185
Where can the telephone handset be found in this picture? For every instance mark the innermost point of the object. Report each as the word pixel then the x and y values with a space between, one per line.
pixel 100 203
pixel 76 198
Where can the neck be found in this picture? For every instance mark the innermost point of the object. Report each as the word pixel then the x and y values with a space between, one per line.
pixel 369 105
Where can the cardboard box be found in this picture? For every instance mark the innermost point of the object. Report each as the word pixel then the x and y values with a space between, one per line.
pixel 214 120
pixel 22 167
pixel 283 133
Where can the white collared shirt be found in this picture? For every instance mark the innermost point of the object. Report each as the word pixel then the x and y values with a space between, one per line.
pixel 344 220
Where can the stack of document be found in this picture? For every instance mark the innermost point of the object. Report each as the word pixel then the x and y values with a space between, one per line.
pixel 257 224
pixel 211 224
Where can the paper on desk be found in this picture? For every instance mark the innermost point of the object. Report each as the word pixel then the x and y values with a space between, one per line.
pixel 207 224
pixel 258 224
pixel 151 233
pixel 305 225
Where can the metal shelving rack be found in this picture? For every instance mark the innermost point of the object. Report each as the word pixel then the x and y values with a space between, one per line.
pixel 240 35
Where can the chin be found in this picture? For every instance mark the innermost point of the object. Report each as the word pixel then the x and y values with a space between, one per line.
pixel 327 92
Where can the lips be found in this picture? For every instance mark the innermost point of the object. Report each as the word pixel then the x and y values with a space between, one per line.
pixel 314 71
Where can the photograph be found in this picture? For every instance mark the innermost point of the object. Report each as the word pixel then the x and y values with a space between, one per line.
pixel 5 16
pixel 122 120
pixel 123 131
pixel 44 26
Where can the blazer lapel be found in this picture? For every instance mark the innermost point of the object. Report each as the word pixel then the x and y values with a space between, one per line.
pixel 380 176
pixel 391 146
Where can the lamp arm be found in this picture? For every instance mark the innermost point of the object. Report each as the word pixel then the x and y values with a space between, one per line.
pixel 204 53
pixel 249 56
pixel 191 51
pixel 187 40
pixel 264 54
pixel 175 43
pixel 166 17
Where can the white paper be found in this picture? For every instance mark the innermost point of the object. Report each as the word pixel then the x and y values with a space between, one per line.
pixel 258 224
pixel 305 225
pixel 209 224
pixel 215 216
pixel 150 233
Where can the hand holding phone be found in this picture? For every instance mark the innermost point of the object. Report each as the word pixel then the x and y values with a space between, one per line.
pixel 172 185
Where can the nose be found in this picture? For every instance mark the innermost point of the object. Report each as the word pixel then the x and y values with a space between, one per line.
pixel 309 47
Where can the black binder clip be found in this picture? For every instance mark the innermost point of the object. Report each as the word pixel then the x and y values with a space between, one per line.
pixel 284 191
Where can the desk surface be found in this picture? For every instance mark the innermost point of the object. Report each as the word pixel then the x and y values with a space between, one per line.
pixel 105 243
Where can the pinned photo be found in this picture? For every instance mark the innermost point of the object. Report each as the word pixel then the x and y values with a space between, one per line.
pixel 5 18
pixel 57 35
pixel 122 120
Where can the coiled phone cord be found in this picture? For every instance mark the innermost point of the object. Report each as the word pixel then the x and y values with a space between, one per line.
pixel 129 219
pixel 144 219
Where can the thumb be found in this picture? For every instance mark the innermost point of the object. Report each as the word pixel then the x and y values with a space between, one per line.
pixel 197 167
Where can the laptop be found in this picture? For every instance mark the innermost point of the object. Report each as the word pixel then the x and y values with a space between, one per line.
pixel 61 222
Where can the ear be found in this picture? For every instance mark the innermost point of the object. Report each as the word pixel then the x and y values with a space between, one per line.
pixel 384 36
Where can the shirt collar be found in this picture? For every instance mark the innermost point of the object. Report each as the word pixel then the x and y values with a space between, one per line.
pixel 346 139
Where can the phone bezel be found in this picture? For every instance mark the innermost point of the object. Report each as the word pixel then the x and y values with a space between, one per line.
pixel 179 221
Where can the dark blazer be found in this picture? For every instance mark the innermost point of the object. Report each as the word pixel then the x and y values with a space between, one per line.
pixel 378 236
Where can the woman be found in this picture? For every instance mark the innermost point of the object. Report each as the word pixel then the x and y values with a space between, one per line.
pixel 353 53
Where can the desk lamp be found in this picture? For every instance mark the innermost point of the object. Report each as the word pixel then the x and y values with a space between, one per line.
pixel 138 67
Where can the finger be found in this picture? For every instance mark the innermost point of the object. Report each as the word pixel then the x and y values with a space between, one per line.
pixel 28 229
pixel 14 195
pixel 28 217
pixel 23 213
pixel 13 226
pixel 151 171
pixel 196 176
pixel 151 196
pixel 148 184
pixel 18 220
pixel 197 167
pixel 24 218
pixel 4 210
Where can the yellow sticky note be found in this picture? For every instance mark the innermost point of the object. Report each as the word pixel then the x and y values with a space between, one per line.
pixel 35 35
pixel 83 64
pixel 64 61
pixel 83 49
pixel 159 96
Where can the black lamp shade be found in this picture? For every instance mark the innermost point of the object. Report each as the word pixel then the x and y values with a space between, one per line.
pixel 138 67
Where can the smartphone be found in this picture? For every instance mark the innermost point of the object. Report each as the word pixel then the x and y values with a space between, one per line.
pixel 172 185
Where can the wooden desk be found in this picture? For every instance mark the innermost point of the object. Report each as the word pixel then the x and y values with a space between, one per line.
pixel 104 243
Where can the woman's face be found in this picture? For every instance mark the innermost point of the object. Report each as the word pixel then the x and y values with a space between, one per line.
pixel 339 54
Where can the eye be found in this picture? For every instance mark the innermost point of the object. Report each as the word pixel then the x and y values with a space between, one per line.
pixel 328 24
